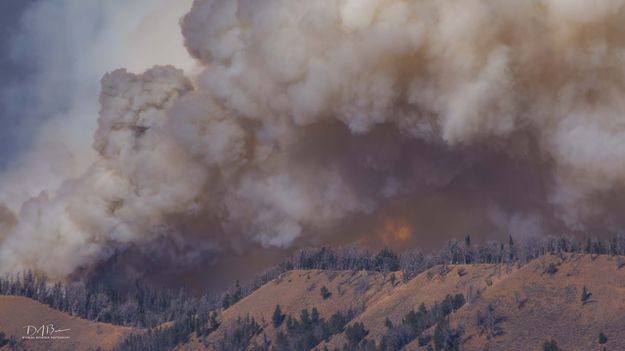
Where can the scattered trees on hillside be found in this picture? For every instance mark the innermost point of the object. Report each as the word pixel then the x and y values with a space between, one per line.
pixel 386 261
pixel 163 338
pixel 411 327
pixel 140 306
pixel 415 323
pixel 446 338
pixel 233 297
pixel 551 269
pixel 145 307
pixel 239 335
pixel 489 322
pixel 356 333
pixel 310 329
pixel 513 252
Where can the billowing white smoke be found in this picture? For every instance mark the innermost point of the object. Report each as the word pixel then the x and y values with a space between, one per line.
pixel 66 46
pixel 256 148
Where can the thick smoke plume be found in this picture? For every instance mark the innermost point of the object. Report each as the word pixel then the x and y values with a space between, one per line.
pixel 369 121
pixel 61 49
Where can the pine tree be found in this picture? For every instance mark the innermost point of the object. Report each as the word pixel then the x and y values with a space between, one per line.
pixel 281 343
pixel 585 295
pixel 440 334
pixel 314 316
pixel 3 339
pixel 468 256
pixel 602 338
pixel 277 317
pixel 238 294
pixel 356 333
pixel 227 301
pixel 511 248
pixel 325 293
pixel 550 345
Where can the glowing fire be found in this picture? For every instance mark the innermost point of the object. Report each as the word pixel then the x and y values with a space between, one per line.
pixel 393 231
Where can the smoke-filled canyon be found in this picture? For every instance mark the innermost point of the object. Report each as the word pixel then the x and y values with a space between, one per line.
pixel 367 122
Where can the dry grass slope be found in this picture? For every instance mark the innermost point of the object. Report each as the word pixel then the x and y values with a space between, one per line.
pixel 427 288
pixel 539 301
pixel 538 306
pixel 17 312
pixel 299 289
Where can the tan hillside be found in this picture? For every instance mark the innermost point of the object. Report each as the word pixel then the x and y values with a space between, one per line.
pixel 540 301
pixel 428 287
pixel 18 312
pixel 540 306
pixel 297 290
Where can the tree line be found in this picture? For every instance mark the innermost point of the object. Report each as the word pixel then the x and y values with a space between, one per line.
pixel 146 307
pixel 142 306
pixel 413 262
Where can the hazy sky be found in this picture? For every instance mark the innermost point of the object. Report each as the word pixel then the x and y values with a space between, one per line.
pixel 12 71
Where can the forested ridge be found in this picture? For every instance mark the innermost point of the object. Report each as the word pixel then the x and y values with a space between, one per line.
pixel 169 317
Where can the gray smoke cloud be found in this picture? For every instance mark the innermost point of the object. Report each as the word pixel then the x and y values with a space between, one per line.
pixel 369 121
pixel 60 49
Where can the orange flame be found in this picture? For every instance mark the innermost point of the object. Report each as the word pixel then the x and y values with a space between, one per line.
pixel 393 232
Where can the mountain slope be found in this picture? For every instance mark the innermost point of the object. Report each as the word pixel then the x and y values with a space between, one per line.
pixel 428 287
pixel 529 305
pixel 538 303
pixel 300 289
pixel 507 308
pixel 17 312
